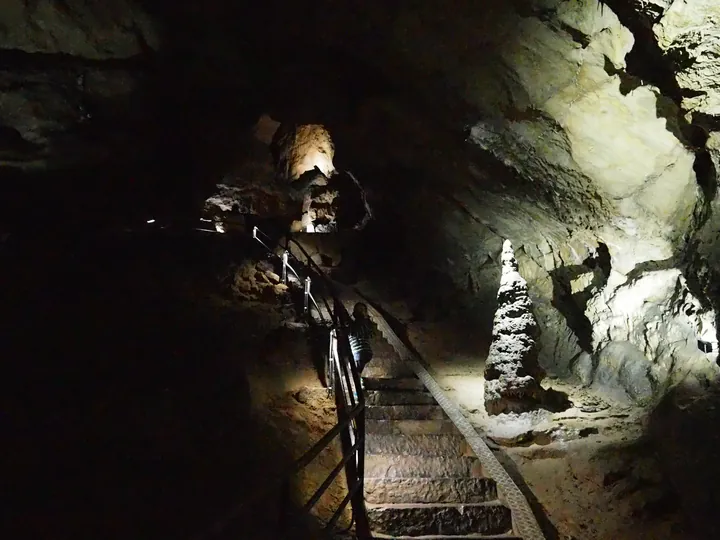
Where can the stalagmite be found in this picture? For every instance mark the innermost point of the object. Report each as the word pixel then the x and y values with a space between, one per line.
pixel 512 372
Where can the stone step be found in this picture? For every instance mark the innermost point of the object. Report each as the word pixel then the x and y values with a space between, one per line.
pixel 391 383
pixel 398 397
pixel 394 466
pixel 383 367
pixel 429 490
pixel 417 445
pixel 441 519
pixel 380 536
pixel 410 427
pixel 405 412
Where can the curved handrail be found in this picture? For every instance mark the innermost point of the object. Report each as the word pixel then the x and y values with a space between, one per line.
pixel 345 382
pixel 351 408
pixel 316 271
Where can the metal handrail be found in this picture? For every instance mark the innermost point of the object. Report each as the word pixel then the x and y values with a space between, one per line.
pixel 316 270
pixel 345 384
pixel 293 469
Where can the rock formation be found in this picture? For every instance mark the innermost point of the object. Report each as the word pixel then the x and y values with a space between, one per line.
pixel 512 372
pixel 330 200
pixel 298 149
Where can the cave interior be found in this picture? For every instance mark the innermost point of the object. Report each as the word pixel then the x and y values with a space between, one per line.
pixel 151 376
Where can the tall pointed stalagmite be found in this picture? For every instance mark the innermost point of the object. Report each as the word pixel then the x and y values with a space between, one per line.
pixel 512 372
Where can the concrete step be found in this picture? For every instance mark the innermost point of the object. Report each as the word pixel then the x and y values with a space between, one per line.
pixel 417 445
pixel 390 383
pixel 405 412
pixel 398 397
pixel 392 466
pixel 384 367
pixel 441 519
pixel 429 490
pixel 410 427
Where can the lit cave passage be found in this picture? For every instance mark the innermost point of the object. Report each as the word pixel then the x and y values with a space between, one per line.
pixel 527 190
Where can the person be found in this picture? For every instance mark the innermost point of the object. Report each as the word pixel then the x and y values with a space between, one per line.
pixel 360 335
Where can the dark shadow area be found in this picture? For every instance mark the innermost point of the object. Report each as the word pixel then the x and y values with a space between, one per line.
pixel 683 430
pixel 125 403
pixel 571 304
pixel 706 178
pixel 628 82
pixel 556 401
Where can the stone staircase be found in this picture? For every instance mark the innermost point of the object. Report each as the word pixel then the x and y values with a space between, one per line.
pixel 422 480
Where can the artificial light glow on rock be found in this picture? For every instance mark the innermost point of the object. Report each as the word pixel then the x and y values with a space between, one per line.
pixel 299 149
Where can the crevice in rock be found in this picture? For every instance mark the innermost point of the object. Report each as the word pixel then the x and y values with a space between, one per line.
pixel 706 179
pixel 20 61
pixel 577 36
pixel 646 60
pixel 650 266
pixel 563 301
pixel 628 82
pixel 571 304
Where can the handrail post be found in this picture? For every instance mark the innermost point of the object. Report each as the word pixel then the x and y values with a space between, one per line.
pixel 330 365
pixel 285 256
pixel 306 299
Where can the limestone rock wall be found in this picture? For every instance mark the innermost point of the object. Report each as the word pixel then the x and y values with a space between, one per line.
pixel 594 156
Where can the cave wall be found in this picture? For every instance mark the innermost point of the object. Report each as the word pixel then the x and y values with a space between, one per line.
pixel 533 121
pixel 596 157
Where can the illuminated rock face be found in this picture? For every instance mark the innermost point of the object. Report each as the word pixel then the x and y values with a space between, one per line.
pixel 692 28
pixel 600 156
pixel 645 334
pixel 299 149
pixel 512 373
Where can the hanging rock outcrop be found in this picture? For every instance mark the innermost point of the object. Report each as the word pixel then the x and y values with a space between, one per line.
pixel 689 33
pixel 94 30
pixel 331 200
pixel 298 149
pixel 68 70
pixel 512 372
